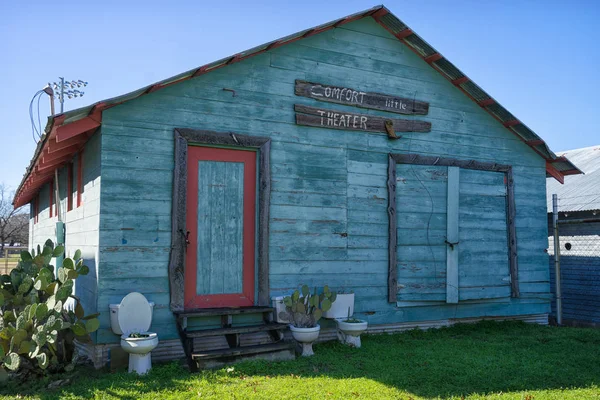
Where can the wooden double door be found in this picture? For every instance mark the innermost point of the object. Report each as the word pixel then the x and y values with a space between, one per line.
pixel 221 220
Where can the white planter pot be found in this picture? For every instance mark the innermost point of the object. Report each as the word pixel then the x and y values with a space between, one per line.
pixel 305 337
pixel 349 332
pixel 339 308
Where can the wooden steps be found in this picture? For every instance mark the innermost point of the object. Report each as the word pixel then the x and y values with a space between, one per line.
pixel 275 348
pixel 236 330
pixel 241 351
pixel 207 312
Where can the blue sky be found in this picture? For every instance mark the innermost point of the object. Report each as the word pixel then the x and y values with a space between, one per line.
pixel 538 58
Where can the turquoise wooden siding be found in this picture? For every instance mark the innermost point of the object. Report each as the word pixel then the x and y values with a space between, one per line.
pixel 220 227
pixel 483 249
pixel 328 204
pixel 453 204
pixel 421 204
pixel 438 204
pixel 81 223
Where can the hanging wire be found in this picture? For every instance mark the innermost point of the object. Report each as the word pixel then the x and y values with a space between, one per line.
pixel 432 209
pixel 38 112
pixel 35 132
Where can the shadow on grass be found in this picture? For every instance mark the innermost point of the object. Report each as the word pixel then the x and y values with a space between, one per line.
pixel 484 358
pixel 488 357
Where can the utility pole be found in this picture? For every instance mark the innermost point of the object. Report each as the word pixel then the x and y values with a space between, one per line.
pixel 48 90
pixel 557 277
pixel 61 89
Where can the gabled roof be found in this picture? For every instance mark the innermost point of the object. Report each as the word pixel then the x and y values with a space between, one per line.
pixel 579 193
pixel 68 132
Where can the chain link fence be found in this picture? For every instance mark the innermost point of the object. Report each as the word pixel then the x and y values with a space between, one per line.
pixel 579 245
pixel 9 258
pixel 575 244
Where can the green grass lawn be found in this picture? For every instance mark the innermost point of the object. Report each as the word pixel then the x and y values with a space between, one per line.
pixel 483 361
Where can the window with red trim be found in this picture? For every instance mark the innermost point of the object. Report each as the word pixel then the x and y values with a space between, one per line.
pixel 80 179
pixel 36 209
pixel 70 186
pixel 51 198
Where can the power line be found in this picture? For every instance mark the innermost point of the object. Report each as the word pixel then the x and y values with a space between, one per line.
pixel 34 129
pixel 38 111
pixel 576 197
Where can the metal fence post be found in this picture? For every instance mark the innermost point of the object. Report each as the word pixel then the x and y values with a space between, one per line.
pixel 557 260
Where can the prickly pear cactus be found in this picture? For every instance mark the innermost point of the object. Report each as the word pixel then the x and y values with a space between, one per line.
pixel 36 332
pixel 306 309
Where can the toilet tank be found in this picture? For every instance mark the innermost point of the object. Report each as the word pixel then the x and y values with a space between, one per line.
pixel 279 307
pixel 339 308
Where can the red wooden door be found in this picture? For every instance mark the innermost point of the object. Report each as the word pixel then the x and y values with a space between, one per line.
pixel 221 207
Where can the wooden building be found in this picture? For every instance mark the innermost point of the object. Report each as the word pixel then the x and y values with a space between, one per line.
pixel 352 154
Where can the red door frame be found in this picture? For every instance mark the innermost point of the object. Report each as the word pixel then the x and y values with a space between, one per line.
pixel 246 298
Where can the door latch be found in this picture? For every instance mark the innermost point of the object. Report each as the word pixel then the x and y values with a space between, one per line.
pixel 186 236
pixel 451 244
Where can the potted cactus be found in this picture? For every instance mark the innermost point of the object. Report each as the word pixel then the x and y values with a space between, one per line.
pixel 304 310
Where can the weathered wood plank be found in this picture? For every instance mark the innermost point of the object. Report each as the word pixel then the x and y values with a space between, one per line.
pixel 436 252
pixel 332 119
pixel 220 227
pixel 367 204
pixel 484 292
pixel 178 215
pixel 301 252
pixel 452 238
pixel 427 220
pixel 357 98
pixel 236 330
pixel 392 228
pixel 328 267
pixel 366 242
pixel 511 215
pixel 421 204
pixel 448 162
pixel 308 199
pixel 313 186
pixel 283 225
pixel 309 239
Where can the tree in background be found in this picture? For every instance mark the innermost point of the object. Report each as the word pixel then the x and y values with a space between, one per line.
pixel 14 224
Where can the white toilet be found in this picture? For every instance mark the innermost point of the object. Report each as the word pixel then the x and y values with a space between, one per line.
pixel 341 310
pixel 134 316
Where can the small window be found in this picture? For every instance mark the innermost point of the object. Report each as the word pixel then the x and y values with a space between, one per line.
pixel 70 188
pixel 36 209
pixel 80 179
pixel 51 198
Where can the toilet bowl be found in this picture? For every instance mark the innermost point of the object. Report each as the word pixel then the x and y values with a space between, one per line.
pixel 348 329
pixel 349 332
pixel 131 319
